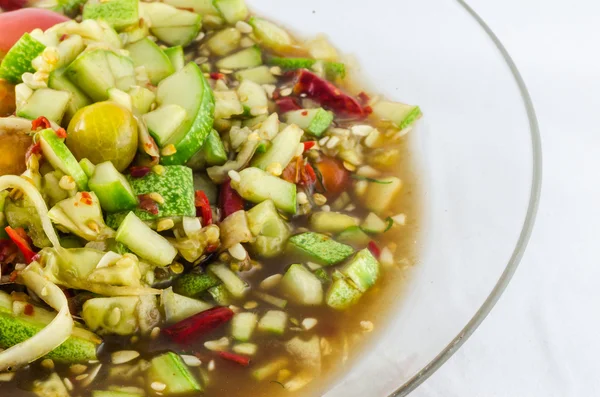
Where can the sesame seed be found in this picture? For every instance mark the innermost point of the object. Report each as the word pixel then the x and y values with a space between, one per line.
pixel 319 199
pixel 234 176
pixel 155 333
pixel 165 224
pixel 169 150
pixel 124 356
pixel 243 27
pixel 276 71
pixel 67 183
pixel 238 252
pixel 44 291
pixel 115 316
pixel 270 282
pixel 200 60
pixel 68 384
pixel 286 91
pixel 251 305
pixel 309 323
pixel 77 369
pixel 367 326
pixel 81 377
pixel 191 361
pixel 333 141
pixel 158 386
pixel 323 141
pixel 93 226
pixel 350 167
pixel 211 365
pixel 326 208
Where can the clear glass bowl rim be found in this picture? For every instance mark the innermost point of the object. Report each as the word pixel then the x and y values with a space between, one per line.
pixel 528 224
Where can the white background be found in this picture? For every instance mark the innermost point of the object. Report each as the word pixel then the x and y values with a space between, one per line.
pixel 543 337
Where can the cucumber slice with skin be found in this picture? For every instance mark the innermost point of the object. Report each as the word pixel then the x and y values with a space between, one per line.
pixel 202 7
pixel 122 70
pixel 320 248
pixel 270 35
pixel 274 321
pixel 373 224
pixel 256 185
pixel 333 70
pixel 270 369
pixel 115 315
pixel 18 59
pixel 176 56
pixel 194 284
pixel 141 98
pixel 146 53
pixel 170 370
pixel 313 121
pixel 121 98
pixel 400 114
pixel 237 287
pixel 57 81
pixel 363 270
pixel 283 148
pixel 341 295
pixel 260 75
pixel 212 153
pixel 117 13
pixel 243 326
pixel 61 158
pixel 220 295
pixel 354 236
pixel 164 121
pixel 270 230
pixel 189 89
pixel 252 95
pixel 331 222
pixel 232 10
pixel 112 188
pixel 145 242
pixel 224 42
pixel 227 104
pixel 178 35
pixel 244 59
pixel 301 286
pixel 46 102
pixel 178 307
pixel 172 25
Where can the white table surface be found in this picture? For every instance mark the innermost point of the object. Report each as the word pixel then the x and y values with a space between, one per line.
pixel 543 337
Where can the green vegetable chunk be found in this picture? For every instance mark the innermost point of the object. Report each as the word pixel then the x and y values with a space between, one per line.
pixel 321 248
pixel 117 13
pixel 301 286
pixel 170 370
pixel 18 59
pixel 194 284
pixel 61 158
pixel 112 188
pixel 256 185
pixel 363 270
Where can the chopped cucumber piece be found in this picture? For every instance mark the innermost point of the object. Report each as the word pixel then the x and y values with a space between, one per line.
pixel 189 89
pixel 271 300
pixel 269 229
pixel 380 196
pixel 232 10
pixel 224 42
pixel 148 313
pixel 114 315
pixel 164 121
pixel 57 153
pixel 252 96
pixel 260 75
pixel 354 236
pixel 283 148
pixel 202 7
pixel 179 307
pixel 112 188
pixel 363 270
pixel 273 321
pixel 244 59
pixel 341 295
pixel 110 393
pixel 243 325
pixel 194 284
pixel 331 222
pixel 333 70
pixel 145 242
pixel 220 295
pixel 57 81
pixel 301 286
pixel 400 114
pixel 18 59
pixel 270 369
pixel 46 102
pixel 117 13
pixel 178 35
pixel 170 370
pixel 122 69
pixel 373 224
pixel 256 185
pixel 146 53
pixel 237 287
pixel 120 98
pixel 172 25
pixel 321 248
pixel 176 56
pixel 313 121
pixel 141 98
pixel 271 35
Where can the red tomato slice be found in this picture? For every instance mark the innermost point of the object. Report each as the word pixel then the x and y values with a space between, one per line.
pixel 15 23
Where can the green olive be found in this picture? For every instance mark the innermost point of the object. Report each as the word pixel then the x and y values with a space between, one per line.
pixel 102 132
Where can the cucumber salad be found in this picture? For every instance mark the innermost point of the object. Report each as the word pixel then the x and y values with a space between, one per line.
pixel 192 202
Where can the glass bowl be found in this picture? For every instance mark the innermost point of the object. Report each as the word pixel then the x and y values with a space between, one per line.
pixel 478 156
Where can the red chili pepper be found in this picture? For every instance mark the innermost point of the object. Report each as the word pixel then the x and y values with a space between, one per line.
pixel 372 246
pixel 203 207
pixel 192 327
pixel 326 94
pixel 147 204
pixel 363 97
pixel 40 123
pixel 217 76
pixel 287 104
pixel 309 145
pixel 35 148
pixel 307 175
pixel 21 242
pixel 86 198
pixel 63 37
pixel 138 171
pixel 61 133
pixel 229 200
pixel 236 358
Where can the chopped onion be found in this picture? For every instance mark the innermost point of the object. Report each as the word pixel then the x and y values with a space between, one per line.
pixel 51 336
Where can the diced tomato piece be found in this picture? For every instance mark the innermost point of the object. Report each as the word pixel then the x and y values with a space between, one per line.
pixel 334 177
pixel 16 235
pixel 372 246
pixel 139 171
pixel 203 207
pixel 229 200
pixel 40 123
pixel 327 94
pixel 236 358
pixel 192 327
pixel 61 133
pixel 287 104
pixel 15 23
